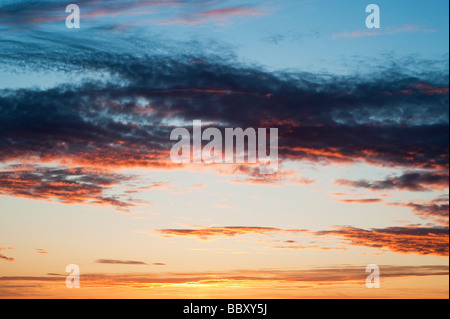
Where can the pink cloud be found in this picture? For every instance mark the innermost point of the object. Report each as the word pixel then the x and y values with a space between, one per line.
pixel 215 15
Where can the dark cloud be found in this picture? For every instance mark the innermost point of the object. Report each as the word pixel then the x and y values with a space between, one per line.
pixel 437 210
pixel 411 181
pixel 403 240
pixel 120 262
pixel 320 118
pixel 67 185
pixel 391 118
pixel 5 258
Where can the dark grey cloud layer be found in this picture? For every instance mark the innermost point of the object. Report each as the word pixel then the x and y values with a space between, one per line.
pixel 412 181
pixel 403 240
pixel 390 118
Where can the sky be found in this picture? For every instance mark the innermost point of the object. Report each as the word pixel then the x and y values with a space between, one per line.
pixel 86 176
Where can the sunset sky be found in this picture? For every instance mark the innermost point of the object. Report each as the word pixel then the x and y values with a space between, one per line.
pixel 86 176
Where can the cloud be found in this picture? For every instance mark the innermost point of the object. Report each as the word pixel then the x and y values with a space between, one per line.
pixel 355 34
pixel 119 262
pixel 308 247
pixel 160 185
pixel 355 274
pixel 436 210
pixel 218 16
pixel 345 281
pixel 250 174
pixel 126 119
pixel 206 233
pixel 189 189
pixel 411 181
pixel 41 251
pixel 407 28
pixel 67 185
pixel 403 240
pixel 361 201
pixel 5 258
pixel 19 14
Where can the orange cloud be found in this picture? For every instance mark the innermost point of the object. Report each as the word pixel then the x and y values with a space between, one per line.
pixel 308 247
pixel 68 185
pixel 361 201
pixel 243 278
pixel 403 240
pixel 319 282
pixel 205 233
pixel 436 210
pixel 120 262
pixel 5 258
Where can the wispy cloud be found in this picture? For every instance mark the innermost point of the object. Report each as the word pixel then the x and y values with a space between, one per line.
pixel 407 28
pixel 437 210
pixel 250 174
pixel 403 240
pixel 119 262
pixel 411 181
pixel 308 247
pixel 361 201
pixel 355 34
pixel 191 12
pixel 51 11
pixel 218 16
pixel 207 233
pixel 355 274
pixel 319 282
pixel 67 185
pixel 5 258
